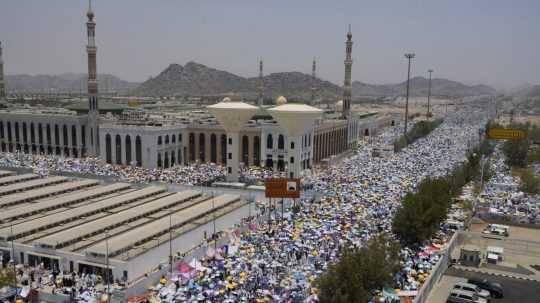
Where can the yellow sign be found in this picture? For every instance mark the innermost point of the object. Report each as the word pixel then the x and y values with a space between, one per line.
pixel 506 134
pixel 133 103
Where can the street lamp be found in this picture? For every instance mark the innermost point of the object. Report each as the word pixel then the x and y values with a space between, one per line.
pixel 409 56
pixel 429 93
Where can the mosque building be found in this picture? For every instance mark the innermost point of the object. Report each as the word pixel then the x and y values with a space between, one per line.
pixel 198 137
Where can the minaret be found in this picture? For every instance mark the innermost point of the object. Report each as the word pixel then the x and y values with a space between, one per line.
pixel 347 88
pixel 313 80
pixel 2 83
pixel 93 105
pixel 260 100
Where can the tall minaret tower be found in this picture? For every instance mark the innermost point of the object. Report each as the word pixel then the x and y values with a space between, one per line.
pixel 313 80
pixel 93 104
pixel 260 100
pixel 2 83
pixel 347 87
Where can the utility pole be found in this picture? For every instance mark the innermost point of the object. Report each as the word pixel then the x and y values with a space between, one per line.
pixel 13 257
pixel 170 243
pixel 409 56
pixel 214 220
pixel 429 94
pixel 107 262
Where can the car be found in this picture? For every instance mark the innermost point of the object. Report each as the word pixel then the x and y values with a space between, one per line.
pixel 482 293
pixel 461 296
pixel 495 289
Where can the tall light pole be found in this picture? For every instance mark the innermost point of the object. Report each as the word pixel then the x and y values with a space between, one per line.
pixel 170 243
pixel 429 93
pixel 409 56
pixel 107 262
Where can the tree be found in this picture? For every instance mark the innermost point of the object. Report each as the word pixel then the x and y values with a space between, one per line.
pixel 421 213
pixel 359 271
pixel 7 277
pixel 516 152
pixel 530 183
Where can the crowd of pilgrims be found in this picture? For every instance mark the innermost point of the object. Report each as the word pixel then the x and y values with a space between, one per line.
pixel 193 174
pixel 278 259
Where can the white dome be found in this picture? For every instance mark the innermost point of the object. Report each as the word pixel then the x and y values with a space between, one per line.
pixel 226 99
pixel 281 101
pixel 339 106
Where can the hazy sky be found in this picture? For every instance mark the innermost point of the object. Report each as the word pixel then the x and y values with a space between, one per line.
pixel 475 41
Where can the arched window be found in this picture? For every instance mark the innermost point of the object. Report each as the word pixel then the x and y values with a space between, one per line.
pixel 138 151
pixel 159 142
pixel 40 133
pixel 83 135
pixel 159 160
pixel 257 151
pixel 245 150
pixel 48 135
pixel 166 164
pixel 269 141
pixel 173 139
pixel 179 138
pixel 118 148
pixel 173 160
pixel 1 129
pixel 56 134
pixel 17 132
pixel 74 135
pixel 281 142
pixel 213 148
pixel 166 141
pixel 202 147
pixel 128 149
pixel 24 133
pixel 223 142
pixel 32 134
pixel 108 149
pixel 65 135
pixel 192 147
pixel 10 138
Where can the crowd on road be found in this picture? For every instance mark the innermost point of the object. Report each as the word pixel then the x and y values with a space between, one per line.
pixel 278 261
pixel 503 196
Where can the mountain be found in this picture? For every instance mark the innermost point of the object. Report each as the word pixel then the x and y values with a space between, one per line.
pixel 529 91
pixel 192 79
pixel 195 79
pixel 419 86
pixel 64 83
pixel 295 85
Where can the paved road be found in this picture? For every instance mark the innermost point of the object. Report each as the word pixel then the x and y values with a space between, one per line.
pixel 515 290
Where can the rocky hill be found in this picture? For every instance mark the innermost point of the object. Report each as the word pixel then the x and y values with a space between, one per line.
pixel 419 87
pixel 295 85
pixel 192 79
pixel 64 83
pixel 197 79
pixel 530 91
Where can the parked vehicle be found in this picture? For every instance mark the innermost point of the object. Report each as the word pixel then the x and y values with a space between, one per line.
pixel 461 296
pixel 482 293
pixel 495 289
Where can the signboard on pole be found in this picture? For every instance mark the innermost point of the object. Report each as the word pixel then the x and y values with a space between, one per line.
pixel 282 188
pixel 506 134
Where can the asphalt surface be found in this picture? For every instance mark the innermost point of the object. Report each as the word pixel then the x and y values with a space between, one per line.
pixel 515 290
